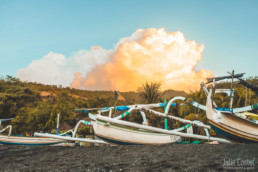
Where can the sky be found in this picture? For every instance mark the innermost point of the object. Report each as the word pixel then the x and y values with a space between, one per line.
pixel 29 30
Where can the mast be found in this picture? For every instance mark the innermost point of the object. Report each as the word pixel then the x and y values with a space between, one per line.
pixel 231 91
pixel 231 76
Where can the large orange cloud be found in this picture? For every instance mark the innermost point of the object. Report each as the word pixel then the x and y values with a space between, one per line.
pixel 148 55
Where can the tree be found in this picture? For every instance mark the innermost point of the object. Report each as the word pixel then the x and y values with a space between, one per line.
pixel 151 92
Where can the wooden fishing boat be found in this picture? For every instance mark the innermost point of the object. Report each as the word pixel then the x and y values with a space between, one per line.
pixel 121 134
pixel 231 123
pixel 115 130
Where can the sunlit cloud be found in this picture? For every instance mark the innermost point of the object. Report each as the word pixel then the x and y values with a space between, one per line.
pixel 146 55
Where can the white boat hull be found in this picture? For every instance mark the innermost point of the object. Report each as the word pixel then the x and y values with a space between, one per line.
pixel 126 135
pixel 24 140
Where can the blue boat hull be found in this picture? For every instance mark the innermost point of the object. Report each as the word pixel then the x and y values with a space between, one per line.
pixel 231 135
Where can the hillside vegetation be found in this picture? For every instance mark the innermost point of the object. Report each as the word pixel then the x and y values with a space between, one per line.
pixel 34 106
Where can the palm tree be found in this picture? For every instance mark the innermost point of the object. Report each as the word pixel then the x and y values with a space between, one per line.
pixel 151 92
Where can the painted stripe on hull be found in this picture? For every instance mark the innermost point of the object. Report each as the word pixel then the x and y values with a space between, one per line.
pixel 229 135
pixel 233 132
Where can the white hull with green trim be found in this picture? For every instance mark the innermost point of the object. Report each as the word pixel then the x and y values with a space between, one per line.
pixel 127 135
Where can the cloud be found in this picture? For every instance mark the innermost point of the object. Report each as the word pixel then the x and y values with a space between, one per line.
pixel 56 69
pixel 146 55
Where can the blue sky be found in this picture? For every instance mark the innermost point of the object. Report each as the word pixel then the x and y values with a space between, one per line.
pixel 31 29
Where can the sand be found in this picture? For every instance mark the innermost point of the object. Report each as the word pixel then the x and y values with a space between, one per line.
pixel 175 157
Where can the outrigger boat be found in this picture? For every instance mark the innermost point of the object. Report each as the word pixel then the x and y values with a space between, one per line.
pixel 122 134
pixel 24 140
pixel 231 123
pixel 115 130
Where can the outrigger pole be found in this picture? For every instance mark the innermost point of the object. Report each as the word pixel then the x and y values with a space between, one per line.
pixel 174 118
pixel 73 138
pixel 209 80
pixel 2 120
pixel 164 115
pixel 121 108
pixel 68 138
pixel 10 130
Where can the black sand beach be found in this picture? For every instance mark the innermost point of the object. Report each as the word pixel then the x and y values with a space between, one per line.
pixel 131 158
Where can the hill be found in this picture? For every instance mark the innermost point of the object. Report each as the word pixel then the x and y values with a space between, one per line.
pixel 35 106
pixel 167 94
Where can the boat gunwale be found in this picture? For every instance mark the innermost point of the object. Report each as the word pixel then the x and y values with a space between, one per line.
pixel 131 129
